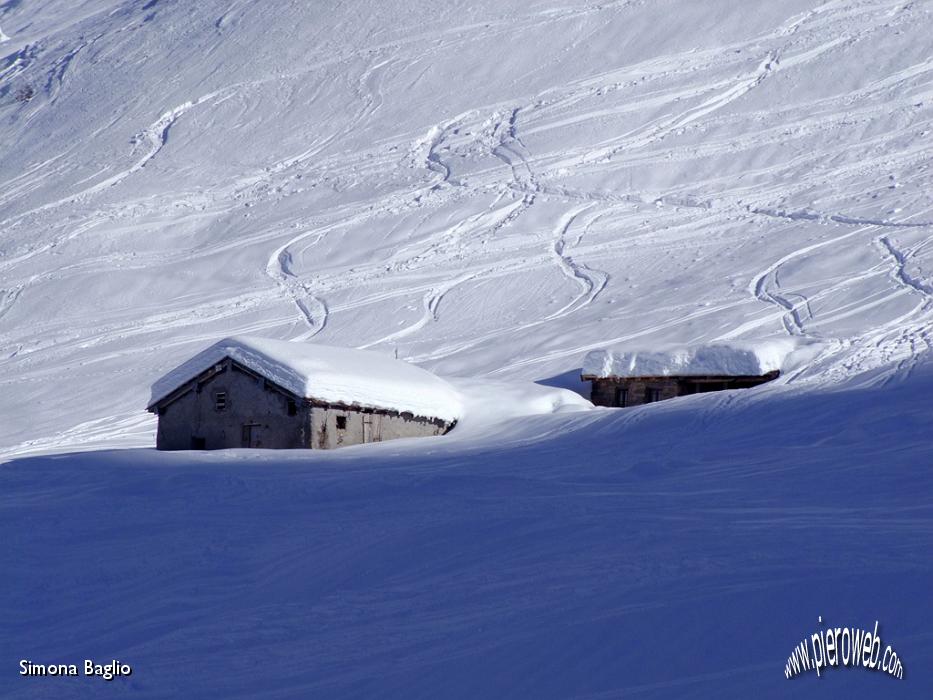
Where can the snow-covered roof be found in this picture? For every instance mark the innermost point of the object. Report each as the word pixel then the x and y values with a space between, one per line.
pixel 737 358
pixel 326 373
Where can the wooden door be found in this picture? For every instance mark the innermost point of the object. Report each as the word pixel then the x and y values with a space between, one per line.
pixel 372 427
pixel 251 435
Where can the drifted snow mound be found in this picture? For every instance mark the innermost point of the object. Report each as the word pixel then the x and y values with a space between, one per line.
pixel 739 358
pixel 489 402
pixel 326 373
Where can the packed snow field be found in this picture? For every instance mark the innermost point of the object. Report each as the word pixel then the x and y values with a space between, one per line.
pixel 672 551
pixel 490 191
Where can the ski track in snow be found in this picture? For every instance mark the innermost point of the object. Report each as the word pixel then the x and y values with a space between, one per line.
pixel 916 334
pixel 156 134
pixel 508 187
pixel 492 190
pixel 592 282
pixel 900 262
pixel 313 309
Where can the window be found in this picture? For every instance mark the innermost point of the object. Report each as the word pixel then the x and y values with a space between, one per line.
pixel 652 394
pixel 220 400
pixel 621 397
pixel 291 407
pixel 341 422
pixel 198 443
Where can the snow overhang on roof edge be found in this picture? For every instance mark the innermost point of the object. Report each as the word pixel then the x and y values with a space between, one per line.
pixel 327 374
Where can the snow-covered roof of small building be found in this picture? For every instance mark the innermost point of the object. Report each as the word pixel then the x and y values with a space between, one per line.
pixel 736 358
pixel 326 373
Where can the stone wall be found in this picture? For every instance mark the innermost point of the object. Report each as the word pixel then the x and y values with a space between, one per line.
pixel 249 401
pixel 361 427
pixel 605 390
pixel 641 390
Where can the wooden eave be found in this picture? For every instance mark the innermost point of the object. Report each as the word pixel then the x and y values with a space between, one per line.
pixel 224 365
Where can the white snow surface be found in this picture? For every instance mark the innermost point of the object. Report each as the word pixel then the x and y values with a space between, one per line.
pixel 326 373
pixel 488 403
pixel 736 358
pixel 590 554
pixel 494 190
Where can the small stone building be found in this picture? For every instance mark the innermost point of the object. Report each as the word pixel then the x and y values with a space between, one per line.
pixel 625 377
pixel 254 392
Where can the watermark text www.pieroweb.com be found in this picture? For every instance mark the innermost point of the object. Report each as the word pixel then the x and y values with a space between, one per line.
pixel 853 647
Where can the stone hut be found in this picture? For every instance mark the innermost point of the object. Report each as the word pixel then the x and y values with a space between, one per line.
pixel 254 392
pixel 626 377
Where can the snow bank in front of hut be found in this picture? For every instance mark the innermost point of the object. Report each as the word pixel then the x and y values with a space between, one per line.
pixel 326 373
pixel 488 402
pixel 736 358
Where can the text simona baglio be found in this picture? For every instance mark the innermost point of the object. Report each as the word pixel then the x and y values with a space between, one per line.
pixel 107 671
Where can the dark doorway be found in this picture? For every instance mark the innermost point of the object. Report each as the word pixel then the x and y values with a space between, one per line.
pixel 251 435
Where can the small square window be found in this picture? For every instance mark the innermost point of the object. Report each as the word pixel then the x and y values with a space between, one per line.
pixel 292 407
pixel 652 394
pixel 220 400
pixel 341 422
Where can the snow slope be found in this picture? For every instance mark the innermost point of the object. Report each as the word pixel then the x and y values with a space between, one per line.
pixel 490 190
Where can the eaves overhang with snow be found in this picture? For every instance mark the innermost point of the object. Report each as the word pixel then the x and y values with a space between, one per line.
pixel 733 359
pixel 326 375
